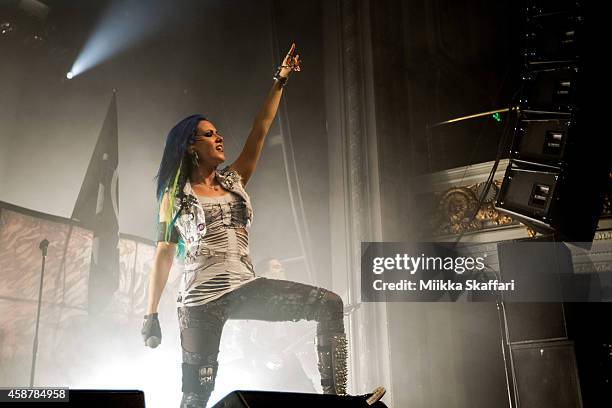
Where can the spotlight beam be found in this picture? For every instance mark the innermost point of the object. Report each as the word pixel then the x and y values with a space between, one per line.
pixel 123 25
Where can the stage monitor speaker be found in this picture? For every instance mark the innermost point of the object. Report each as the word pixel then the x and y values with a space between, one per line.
pixel 107 398
pixel 272 399
pixel 92 399
pixel 546 375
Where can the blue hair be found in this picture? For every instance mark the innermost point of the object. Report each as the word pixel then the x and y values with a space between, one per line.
pixel 177 141
pixel 174 167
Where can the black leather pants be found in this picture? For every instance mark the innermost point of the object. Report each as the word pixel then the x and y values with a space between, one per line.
pixel 262 299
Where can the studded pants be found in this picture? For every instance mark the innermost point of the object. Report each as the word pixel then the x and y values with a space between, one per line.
pixel 261 299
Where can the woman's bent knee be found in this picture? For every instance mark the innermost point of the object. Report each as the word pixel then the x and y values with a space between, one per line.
pixel 333 307
pixel 334 301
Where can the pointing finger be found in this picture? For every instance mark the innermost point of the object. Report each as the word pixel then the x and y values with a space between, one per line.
pixel 291 50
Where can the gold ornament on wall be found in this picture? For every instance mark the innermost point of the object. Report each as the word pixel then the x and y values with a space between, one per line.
pixel 454 211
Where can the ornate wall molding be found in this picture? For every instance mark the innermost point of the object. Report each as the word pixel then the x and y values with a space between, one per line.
pixel 452 211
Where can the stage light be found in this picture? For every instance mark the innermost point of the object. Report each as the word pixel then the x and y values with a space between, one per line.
pixel 70 75
pixel 124 24
pixel 5 27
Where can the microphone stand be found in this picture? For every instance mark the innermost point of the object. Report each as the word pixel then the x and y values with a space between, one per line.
pixel 44 244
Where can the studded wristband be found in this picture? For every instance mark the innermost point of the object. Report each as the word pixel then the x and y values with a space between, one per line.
pixel 280 79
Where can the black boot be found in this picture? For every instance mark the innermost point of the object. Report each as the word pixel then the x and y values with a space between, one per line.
pixel 332 352
pixel 193 400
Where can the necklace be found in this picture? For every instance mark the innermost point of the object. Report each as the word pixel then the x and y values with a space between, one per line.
pixel 215 187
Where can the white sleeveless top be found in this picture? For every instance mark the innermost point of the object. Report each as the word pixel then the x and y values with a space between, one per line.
pixel 226 234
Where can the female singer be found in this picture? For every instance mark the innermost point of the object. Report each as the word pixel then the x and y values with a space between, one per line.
pixel 204 216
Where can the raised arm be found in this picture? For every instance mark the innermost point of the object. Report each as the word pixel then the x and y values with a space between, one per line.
pixel 247 160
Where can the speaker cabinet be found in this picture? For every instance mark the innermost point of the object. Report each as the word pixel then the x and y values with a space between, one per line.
pixel 564 202
pixel 542 7
pixel 530 192
pixel 546 375
pixel 92 399
pixel 550 89
pixel 553 37
pixel 542 371
pixel 540 259
pixel 107 398
pixel 546 321
pixel 543 141
pixel 270 399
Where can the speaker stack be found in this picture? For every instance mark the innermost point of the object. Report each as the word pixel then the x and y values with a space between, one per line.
pixel 554 183
pixel 542 370
pixel 558 168
pixel 559 355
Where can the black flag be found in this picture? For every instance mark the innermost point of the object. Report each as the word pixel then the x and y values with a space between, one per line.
pixel 97 209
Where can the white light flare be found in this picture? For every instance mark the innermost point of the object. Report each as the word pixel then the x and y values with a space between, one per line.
pixel 123 25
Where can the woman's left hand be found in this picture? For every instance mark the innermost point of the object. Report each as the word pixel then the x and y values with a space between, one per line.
pixel 290 63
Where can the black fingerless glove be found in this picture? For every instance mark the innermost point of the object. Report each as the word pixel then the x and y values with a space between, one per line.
pixel 151 331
